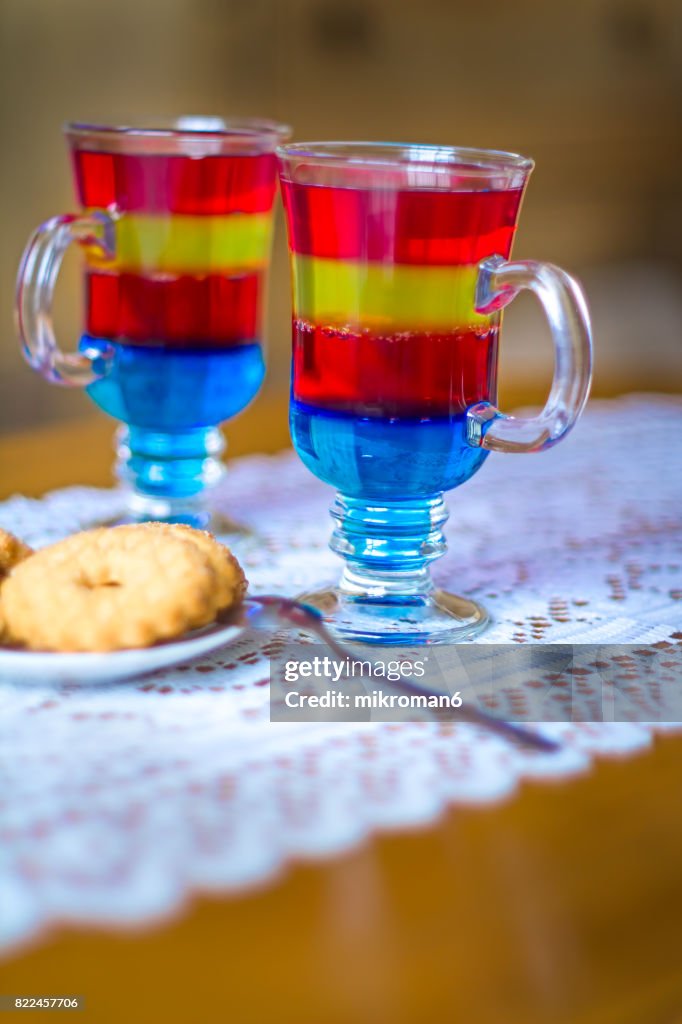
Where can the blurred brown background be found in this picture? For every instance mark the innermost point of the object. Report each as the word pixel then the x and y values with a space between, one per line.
pixel 592 89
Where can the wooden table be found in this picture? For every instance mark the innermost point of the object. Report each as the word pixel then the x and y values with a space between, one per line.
pixel 563 904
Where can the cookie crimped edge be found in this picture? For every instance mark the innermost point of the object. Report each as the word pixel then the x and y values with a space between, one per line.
pixel 12 552
pixel 232 583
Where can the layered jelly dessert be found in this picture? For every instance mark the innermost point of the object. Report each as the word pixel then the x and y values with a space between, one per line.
pixel 388 349
pixel 180 301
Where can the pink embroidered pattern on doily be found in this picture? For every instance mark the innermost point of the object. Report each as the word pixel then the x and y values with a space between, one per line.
pixel 117 802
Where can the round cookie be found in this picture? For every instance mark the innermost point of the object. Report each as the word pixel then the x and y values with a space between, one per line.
pixel 231 582
pixel 109 589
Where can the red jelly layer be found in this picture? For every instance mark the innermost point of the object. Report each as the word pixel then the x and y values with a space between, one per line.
pixel 403 226
pixel 176 184
pixel 213 311
pixel 410 374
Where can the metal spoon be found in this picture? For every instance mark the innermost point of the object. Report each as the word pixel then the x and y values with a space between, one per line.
pixel 272 611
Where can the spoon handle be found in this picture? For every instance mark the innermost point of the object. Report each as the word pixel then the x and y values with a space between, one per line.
pixel 278 611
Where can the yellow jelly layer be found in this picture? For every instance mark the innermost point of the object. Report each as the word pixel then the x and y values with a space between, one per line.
pixel 378 296
pixel 177 243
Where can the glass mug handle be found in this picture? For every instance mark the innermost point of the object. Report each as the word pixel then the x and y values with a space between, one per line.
pixel 564 305
pixel 36 281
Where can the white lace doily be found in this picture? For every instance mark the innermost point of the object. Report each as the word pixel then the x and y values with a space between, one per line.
pixel 117 802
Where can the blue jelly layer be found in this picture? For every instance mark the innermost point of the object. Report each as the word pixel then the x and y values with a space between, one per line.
pixel 171 389
pixel 387 459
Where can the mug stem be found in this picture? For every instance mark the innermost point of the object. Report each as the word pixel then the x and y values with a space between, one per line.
pixel 386 594
pixel 388 540
pixel 169 474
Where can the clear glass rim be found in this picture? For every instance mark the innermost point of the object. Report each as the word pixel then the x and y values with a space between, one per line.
pixel 174 134
pixel 425 156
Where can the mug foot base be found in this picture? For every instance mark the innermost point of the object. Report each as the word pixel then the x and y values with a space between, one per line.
pixel 435 617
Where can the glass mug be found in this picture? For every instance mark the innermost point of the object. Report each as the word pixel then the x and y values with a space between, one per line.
pixel 400 267
pixel 176 226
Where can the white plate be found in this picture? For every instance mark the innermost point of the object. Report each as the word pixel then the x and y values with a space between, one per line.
pixel 46 668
